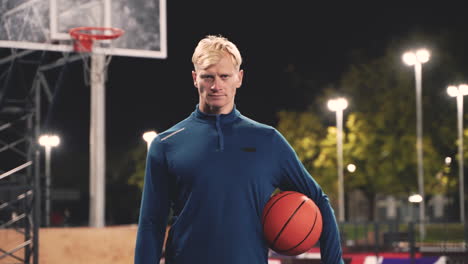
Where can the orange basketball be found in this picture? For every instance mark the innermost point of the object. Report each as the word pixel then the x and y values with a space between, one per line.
pixel 292 223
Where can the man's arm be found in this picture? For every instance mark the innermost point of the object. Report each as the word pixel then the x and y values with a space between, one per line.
pixel 295 177
pixel 154 207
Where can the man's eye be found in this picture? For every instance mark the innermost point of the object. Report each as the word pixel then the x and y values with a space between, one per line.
pixel 224 76
pixel 207 77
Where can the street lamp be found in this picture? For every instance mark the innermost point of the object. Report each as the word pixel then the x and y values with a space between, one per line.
pixel 448 160
pixel 48 142
pixel 351 168
pixel 338 105
pixel 458 92
pixel 148 137
pixel 413 199
pixel 417 58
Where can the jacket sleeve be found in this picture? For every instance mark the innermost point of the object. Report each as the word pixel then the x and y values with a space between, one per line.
pixel 154 208
pixel 294 177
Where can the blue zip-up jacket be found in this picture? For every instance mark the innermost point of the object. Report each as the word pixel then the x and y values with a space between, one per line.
pixel 217 172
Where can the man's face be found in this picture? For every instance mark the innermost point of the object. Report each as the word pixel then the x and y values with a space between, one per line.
pixel 217 86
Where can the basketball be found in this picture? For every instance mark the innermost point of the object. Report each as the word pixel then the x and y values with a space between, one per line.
pixel 292 223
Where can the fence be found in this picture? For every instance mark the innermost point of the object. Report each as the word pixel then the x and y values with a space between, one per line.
pixel 442 238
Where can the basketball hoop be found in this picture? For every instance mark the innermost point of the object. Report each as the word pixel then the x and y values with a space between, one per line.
pixel 87 40
pixel 85 36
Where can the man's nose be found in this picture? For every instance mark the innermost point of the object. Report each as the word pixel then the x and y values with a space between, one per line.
pixel 216 84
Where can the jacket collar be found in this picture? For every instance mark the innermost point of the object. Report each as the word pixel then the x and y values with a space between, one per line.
pixel 223 118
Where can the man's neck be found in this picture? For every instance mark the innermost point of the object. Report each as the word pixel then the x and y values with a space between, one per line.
pixel 216 110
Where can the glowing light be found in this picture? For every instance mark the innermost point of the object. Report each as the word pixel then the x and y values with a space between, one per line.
pixel 351 168
pixel 337 104
pixel 448 160
pixel 149 136
pixel 49 140
pixel 409 58
pixel 415 198
pixel 420 56
pixel 455 91
pixel 423 55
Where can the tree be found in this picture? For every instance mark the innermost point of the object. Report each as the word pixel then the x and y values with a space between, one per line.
pixel 121 163
pixel 380 136
pixel 304 131
pixel 383 127
pixel 137 158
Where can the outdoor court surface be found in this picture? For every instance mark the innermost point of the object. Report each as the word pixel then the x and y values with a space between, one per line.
pixel 115 245
pixel 78 245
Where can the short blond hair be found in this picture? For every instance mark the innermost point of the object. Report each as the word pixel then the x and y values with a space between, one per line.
pixel 211 49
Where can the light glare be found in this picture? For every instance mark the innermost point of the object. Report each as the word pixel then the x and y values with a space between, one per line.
pixel 49 140
pixel 415 198
pixel 448 160
pixel 455 91
pixel 463 88
pixel 409 58
pixel 423 55
pixel 420 56
pixel 351 168
pixel 452 91
pixel 149 136
pixel 337 104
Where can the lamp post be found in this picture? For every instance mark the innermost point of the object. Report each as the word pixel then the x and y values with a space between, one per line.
pixel 413 199
pixel 48 142
pixel 149 137
pixel 416 59
pixel 458 92
pixel 338 105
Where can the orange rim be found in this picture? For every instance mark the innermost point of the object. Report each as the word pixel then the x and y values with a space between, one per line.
pixel 78 34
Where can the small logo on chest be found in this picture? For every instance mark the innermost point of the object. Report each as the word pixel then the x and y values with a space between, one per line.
pixel 249 149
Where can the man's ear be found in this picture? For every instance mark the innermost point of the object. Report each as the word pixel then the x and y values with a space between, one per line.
pixel 241 77
pixel 194 77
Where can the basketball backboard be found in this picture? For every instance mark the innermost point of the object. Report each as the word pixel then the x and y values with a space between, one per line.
pixel 44 24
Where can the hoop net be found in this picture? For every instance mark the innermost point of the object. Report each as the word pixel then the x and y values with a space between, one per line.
pixel 97 43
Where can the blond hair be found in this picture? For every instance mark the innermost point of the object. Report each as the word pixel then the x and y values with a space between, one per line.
pixel 212 49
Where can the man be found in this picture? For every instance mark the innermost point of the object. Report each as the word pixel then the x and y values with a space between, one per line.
pixel 217 169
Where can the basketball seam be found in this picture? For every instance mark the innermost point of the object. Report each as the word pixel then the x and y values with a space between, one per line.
pixel 269 209
pixel 310 231
pixel 286 224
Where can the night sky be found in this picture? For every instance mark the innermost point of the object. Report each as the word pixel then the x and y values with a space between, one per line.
pixel 316 39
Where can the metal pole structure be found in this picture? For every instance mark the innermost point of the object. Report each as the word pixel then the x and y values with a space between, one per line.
pixel 47 185
pixel 460 156
pixel 419 146
pixel 338 105
pixel 97 139
pixel 37 182
pixel 412 242
pixel 97 142
pixel 32 143
pixel 48 141
pixel 339 140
